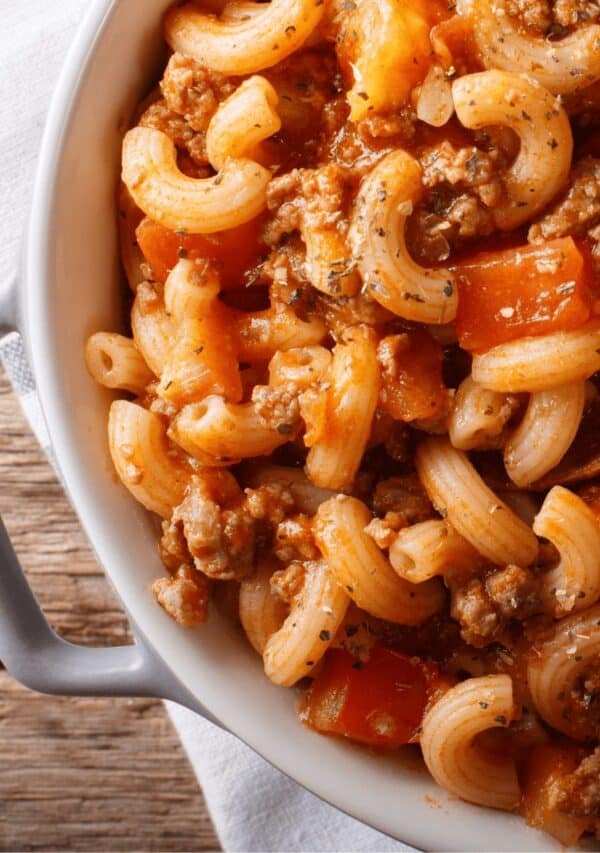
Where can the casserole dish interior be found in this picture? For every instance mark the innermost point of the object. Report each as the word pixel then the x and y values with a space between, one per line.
pixel 74 288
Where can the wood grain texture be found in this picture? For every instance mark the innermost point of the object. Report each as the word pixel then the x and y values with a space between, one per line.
pixel 80 774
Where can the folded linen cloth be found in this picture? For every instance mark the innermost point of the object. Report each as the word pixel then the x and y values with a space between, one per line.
pixel 254 806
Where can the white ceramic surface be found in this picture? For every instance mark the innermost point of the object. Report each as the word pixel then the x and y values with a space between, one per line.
pixel 73 289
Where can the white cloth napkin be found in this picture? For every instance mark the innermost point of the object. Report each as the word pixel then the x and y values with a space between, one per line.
pixel 254 807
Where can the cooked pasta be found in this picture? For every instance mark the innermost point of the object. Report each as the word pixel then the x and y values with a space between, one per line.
pixel 153 329
pixel 151 469
pixel 479 416
pixel 115 361
pixel 431 548
pixel 349 406
pixel 132 258
pixel 538 364
pixel 386 199
pixel 245 44
pixel 203 357
pixel 461 496
pixel 181 203
pixel 262 611
pixel 216 432
pixel 451 754
pixel 261 334
pixel 362 570
pixel 574 583
pixel 556 674
pixel 242 122
pixel 301 365
pixel 562 66
pixel 541 168
pixel 545 433
pixel 362 241
pixel 316 612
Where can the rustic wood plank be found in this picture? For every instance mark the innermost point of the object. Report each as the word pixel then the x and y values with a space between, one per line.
pixel 80 774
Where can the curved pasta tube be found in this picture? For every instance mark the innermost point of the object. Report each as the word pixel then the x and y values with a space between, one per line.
pixel 246 45
pixel 329 265
pixel 132 258
pixel 541 168
pixel 350 403
pixel 242 121
pixel 203 359
pixel 302 366
pixel 573 529
pixel 316 614
pixel 360 567
pixel 261 611
pixel 386 198
pixel 218 433
pixel 458 493
pixel 197 205
pixel 556 671
pixel 451 753
pixel 562 66
pixel 545 433
pixel 261 334
pixel 189 290
pixel 153 330
pixel 478 416
pixel 152 471
pixel 115 361
pixel 431 548
pixel 537 364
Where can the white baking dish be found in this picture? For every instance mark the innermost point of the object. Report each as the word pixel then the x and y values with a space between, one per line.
pixel 70 288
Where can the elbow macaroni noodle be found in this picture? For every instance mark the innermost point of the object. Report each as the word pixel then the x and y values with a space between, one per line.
pixel 245 44
pixel 386 198
pixel 541 168
pixel 562 66
pixel 312 204
pixel 198 205
pixel 242 122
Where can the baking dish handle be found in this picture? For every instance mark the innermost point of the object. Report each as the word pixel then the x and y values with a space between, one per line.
pixel 41 660
pixel 8 305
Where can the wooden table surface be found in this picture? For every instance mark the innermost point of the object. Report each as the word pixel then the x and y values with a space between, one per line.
pixel 80 774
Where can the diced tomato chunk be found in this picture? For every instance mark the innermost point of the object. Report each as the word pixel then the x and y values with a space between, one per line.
pixel 515 293
pixel 412 385
pixel 233 252
pixel 379 702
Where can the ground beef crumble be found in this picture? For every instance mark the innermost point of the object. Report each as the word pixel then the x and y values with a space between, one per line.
pixel 484 605
pixel 220 537
pixel 294 540
pixel 357 147
pixel 533 13
pixel 271 502
pixel 277 407
pixel 287 583
pixel 514 591
pixel 160 117
pixel 480 622
pixel 578 211
pixel 405 496
pixel 579 792
pixel 193 91
pixel 311 198
pixel 184 596
pixel 581 705
pixel 553 18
